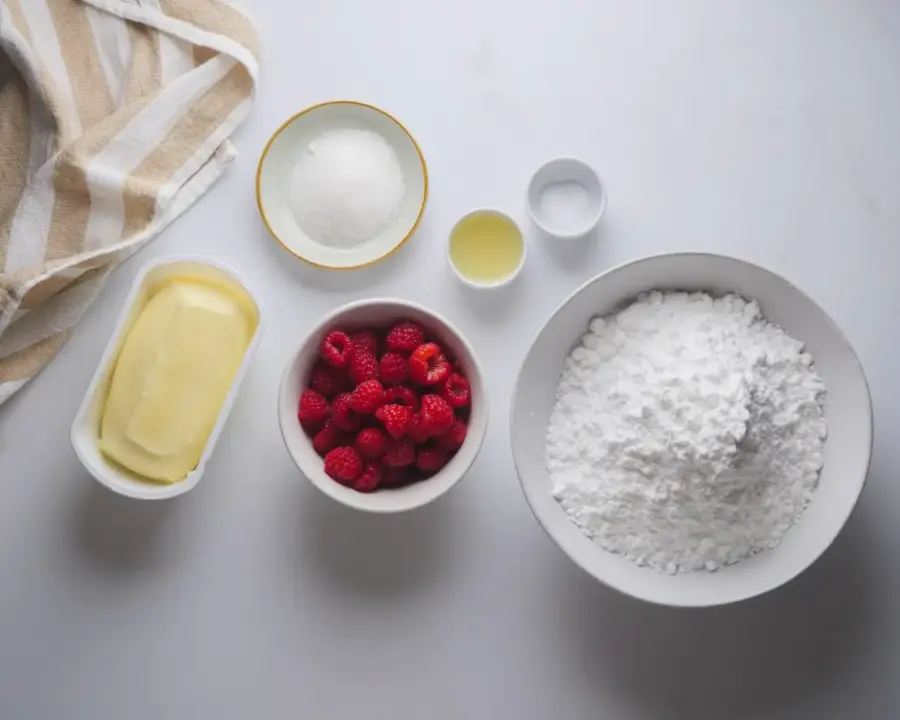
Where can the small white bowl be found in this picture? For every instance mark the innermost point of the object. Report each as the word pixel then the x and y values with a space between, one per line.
pixel 85 430
pixel 381 313
pixel 496 284
pixel 276 167
pixel 848 411
pixel 567 170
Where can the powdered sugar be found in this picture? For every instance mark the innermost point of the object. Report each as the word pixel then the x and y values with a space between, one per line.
pixel 687 433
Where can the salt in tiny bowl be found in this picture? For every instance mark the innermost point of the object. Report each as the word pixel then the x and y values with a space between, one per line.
pixel 591 190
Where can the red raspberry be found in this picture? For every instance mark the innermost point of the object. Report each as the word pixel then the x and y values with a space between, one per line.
pixel 369 480
pixel 362 366
pixel 343 415
pixel 456 391
pixel 431 459
pixel 405 337
pixel 453 439
pixel 395 418
pixel 416 431
pixel 371 443
pixel 428 366
pixel 337 349
pixel 394 368
pixel 344 465
pixel 313 409
pixel 436 415
pixel 402 395
pixel 392 477
pixel 367 397
pixel 327 380
pixel 400 453
pixel 328 438
pixel 365 341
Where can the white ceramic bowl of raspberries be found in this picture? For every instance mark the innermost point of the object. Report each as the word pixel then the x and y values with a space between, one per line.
pixel 383 406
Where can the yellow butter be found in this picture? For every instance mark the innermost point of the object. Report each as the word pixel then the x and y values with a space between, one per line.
pixel 173 373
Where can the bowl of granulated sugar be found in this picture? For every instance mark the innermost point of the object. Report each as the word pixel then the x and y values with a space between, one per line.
pixel 341 185
pixel 691 429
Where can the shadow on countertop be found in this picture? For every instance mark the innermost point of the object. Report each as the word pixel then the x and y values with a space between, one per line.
pixel 749 659
pixel 119 535
pixel 375 557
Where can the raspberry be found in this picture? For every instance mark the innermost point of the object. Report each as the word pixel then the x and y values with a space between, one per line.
pixel 369 480
pixel 456 391
pixel 365 341
pixel 436 415
pixel 327 380
pixel 395 418
pixel 362 366
pixel 402 395
pixel 394 368
pixel 431 459
pixel 371 443
pixel 405 337
pixel 392 477
pixel 343 415
pixel 367 397
pixel 313 409
pixel 343 464
pixel 400 453
pixel 428 366
pixel 337 349
pixel 453 439
pixel 416 431
pixel 328 438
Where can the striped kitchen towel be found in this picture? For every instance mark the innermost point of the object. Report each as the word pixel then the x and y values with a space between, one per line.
pixel 114 118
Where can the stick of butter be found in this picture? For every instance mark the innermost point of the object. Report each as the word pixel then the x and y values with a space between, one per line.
pixel 172 376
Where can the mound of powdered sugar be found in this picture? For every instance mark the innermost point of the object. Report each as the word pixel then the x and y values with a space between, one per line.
pixel 687 433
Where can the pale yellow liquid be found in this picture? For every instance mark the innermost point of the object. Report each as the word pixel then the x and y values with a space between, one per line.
pixel 486 247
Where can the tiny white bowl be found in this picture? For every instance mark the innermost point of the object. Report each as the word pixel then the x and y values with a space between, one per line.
pixel 567 170
pixel 368 314
pixel 275 171
pixel 848 411
pixel 497 284
pixel 85 430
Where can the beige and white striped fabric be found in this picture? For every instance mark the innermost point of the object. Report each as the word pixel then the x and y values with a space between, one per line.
pixel 114 118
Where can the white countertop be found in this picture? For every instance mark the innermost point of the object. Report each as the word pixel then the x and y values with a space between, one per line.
pixel 766 130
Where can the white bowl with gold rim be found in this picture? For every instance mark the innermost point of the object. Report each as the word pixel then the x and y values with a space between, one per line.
pixel 275 172
pixel 85 431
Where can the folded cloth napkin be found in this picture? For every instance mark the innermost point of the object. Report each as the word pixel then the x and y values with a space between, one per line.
pixel 114 118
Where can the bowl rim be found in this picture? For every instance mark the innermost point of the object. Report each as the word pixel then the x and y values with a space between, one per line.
pixel 360 500
pixel 764 588
pixel 260 205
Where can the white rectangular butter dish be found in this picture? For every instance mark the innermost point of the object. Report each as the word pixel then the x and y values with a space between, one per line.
pixel 86 426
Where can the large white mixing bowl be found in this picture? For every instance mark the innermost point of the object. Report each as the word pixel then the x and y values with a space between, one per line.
pixel 848 409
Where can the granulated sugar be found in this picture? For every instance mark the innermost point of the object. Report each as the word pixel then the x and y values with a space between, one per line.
pixel 347 187
pixel 688 432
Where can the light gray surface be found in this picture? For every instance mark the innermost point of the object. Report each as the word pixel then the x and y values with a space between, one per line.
pixel 763 129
